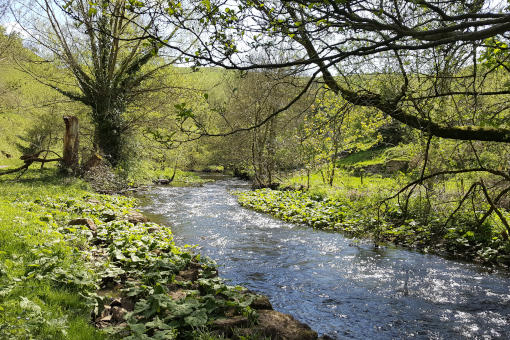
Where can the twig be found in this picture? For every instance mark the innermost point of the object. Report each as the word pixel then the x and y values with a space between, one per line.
pixel 472 187
pixel 448 172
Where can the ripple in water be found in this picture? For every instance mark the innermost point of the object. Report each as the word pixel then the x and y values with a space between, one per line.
pixel 345 291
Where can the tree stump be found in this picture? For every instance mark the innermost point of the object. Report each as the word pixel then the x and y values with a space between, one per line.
pixel 71 143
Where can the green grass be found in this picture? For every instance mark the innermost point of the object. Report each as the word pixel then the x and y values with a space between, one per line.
pixel 376 156
pixel 54 276
pixel 375 185
pixel 368 157
pixel 23 105
pixel 32 308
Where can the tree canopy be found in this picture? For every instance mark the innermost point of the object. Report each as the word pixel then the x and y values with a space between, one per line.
pixel 108 62
pixel 441 60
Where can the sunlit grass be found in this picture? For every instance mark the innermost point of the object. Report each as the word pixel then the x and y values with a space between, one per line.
pixel 50 277
pixel 53 312
pixel 344 181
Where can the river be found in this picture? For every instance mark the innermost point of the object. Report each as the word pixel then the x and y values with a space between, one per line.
pixel 337 286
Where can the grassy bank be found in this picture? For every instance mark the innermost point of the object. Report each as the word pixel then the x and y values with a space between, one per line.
pixel 78 265
pixel 36 302
pixel 357 207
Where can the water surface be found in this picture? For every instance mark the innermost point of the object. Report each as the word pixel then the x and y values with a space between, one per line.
pixel 341 289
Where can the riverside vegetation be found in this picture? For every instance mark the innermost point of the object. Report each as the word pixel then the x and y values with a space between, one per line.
pixel 69 254
pixel 435 101
pixel 358 207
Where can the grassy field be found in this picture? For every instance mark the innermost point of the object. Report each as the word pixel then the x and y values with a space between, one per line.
pixel 375 185
pixel 34 302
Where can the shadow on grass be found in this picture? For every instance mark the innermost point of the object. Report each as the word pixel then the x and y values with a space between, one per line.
pixel 42 178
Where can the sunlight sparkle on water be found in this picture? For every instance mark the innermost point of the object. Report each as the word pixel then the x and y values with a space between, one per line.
pixel 343 290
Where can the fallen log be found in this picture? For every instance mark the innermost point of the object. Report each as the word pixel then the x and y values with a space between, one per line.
pixel 30 159
pixel 69 160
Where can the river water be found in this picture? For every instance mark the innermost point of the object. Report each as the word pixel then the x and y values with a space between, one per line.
pixel 339 288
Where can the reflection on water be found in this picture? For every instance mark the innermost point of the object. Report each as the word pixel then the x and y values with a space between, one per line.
pixel 345 291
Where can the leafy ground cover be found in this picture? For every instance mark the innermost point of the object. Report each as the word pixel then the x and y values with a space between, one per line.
pixel 76 265
pixel 356 210
pixel 34 259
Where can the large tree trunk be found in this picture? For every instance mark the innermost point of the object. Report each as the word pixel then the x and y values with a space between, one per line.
pixel 70 159
pixel 109 140
pixel 108 134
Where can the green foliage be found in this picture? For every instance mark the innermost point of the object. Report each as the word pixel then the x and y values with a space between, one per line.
pixel 144 172
pixel 366 157
pixel 52 273
pixel 44 280
pixel 314 209
pixel 495 54
pixel 143 259
pixel 333 125
pixel 44 134
pixel 355 208
pixel 247 100
pixel 215 101
pixel 28 110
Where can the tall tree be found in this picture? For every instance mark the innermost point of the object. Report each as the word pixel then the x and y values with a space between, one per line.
pixel 108 61
pixel 333 126
pixel 439 67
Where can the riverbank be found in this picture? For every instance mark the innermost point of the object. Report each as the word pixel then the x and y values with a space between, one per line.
pixel 79 265
pixel 358 214
pixel 339 287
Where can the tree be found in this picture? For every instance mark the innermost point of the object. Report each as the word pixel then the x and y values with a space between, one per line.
pixel 334 125
pixel 265 150
pixel 108 63
pixel 430 49
pixel 439 67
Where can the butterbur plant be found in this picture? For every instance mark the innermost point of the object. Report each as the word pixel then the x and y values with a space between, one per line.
pixel 108 278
